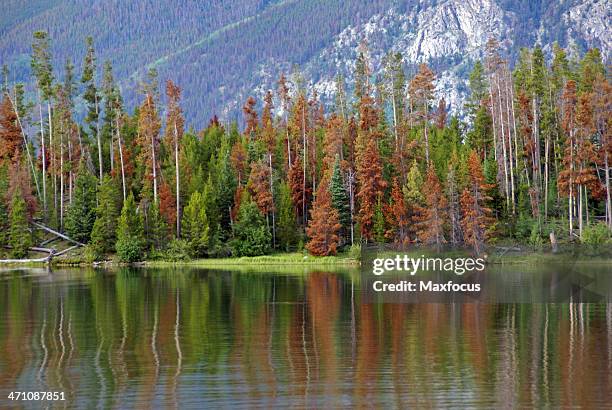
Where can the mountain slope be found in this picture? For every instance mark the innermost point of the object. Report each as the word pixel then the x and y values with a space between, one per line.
pixel 221 51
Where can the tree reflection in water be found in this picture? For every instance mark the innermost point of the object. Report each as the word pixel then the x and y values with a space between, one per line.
pixel 193 338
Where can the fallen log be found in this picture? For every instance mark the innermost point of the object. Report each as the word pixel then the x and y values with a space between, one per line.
pixel 51 253
pixel 48 241
pixel 56 233
pixel 65 250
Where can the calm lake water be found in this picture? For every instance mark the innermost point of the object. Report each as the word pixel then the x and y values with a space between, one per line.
pixel 196 338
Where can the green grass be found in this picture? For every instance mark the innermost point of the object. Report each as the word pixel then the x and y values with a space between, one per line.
pixel 266 260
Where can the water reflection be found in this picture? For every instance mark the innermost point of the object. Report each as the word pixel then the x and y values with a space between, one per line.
pixel 194 338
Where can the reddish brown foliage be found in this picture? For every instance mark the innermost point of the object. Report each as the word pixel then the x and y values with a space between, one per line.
pixel 434 216
pixel 324 225
pixel 167 204
pixel 149 125
pixel 237 201
pixel 20 184
pixel 371 185
pixel 259 187
pixel 250 117
pixel 296 183
pixel 441 114
pixel 238 158
pixel 476 216
pixel 396 215
pixel 268 134
pixel 11 140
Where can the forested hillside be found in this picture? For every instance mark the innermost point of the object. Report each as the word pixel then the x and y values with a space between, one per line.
pixel 220 52
pixel 383 164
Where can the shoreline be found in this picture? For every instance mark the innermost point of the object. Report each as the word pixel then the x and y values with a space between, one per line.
pixel 304 260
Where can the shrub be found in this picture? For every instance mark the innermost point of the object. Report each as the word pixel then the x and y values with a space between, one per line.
pixel 596 234
pixel 535 237
pixel 177 250
pixel 355 251
pixel 130 249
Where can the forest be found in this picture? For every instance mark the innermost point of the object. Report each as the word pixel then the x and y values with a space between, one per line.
pixel 385 164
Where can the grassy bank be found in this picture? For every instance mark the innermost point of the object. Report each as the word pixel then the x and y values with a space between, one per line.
pixel 265 260
pixel 501 254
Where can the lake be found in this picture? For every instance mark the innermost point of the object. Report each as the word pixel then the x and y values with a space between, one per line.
pixel 197 338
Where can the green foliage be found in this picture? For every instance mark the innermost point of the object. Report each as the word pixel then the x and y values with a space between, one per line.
pixel 523 227
pixel 478 84
pixel 340 199
pixel 287 231
pixel 130 244
pixel 81 214
pixel 224 180
pixel 413 190
pixel 379 223
pixel 535 237
pixel 596 234
pixel 103 234
pixel 20 236
pixel 251 235
pixel 4 216
pixel 178 250
pixel 196 229
pixel 355 251
pixel 157 231
pixel 481 133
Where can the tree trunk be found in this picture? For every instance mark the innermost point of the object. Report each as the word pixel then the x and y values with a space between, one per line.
pixel 99 140
pixel 304 217
pixel 608 196
pixel 121 159
pixel 178 183
pixel 44 154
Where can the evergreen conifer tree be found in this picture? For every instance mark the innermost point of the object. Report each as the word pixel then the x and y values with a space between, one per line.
pixel 130 244
pixel 251 235
pixel 340 199
pixel 287 224
pixel 103 234
pixel 20 236
pixel 195 225
pixel 81 214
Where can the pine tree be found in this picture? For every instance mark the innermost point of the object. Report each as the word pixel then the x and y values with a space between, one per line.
pixel 287 225
pixel 196 230
pixel 371 185
pixel 92 99
pixel 174 132
pixel 340 199
pixel 103 234
pixel 131 243
pixel 259 187
pixel 81 214
pixel 397 216
pixel 251 235
pixel 167 204
pixel 4 225
pixel 379 228
pixel 157 231
pixel 434 215
pixel 43 71
pixel 454 210
pixel 413 198
pixel 10 133
pixel 476 218
pixel 323 225
pixel 20 236
pixel 149 125
pixel 421 90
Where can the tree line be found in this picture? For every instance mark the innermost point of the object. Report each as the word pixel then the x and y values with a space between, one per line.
pixel 385 164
